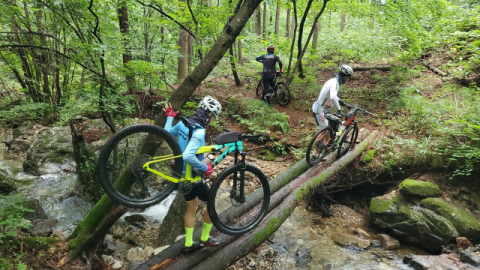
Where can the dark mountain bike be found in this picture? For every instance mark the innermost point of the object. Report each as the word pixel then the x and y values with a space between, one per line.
pixel 340 137
pixel 280 90
pixel 141 165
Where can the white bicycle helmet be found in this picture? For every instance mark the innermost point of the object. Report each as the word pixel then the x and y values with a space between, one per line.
pixel 212 105
pixel 345 70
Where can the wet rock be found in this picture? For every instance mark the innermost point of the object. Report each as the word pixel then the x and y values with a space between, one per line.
pixel 463 243
pixel 118 232
pixel 160 249
pixel 343 239
pixel 469 257
pixel 112 262
pixel 388 242
pixel 135 239
pixel 444 261
pixel 303 257
pixel 360 232
pixel 7 185
pixel 134 264
pixel 466 224
pixel 42 227
pixel 419 188
pixel 139 254
pixel 135 219
pixel 19 146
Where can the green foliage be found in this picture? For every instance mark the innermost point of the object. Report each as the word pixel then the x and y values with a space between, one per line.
pixel 11 217
pixel 27 111
pixel 258 117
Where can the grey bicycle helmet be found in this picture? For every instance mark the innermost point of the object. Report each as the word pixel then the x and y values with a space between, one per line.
pixel 345 70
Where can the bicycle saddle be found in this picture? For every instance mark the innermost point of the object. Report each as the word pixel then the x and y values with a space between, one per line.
pixel 227 137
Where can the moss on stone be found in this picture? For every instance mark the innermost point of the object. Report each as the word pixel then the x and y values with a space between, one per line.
pixel 466 224
pixel 266 154
pixel 442 225
pixel 419 188
pixel 379 206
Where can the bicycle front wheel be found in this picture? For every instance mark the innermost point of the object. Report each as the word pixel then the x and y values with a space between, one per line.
pixel 259 90
pixel 319 147
pixel 348 140
pixel 121 161
pixel 229 192
pixel 282 94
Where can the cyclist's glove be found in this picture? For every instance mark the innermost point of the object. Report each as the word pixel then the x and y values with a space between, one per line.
pixel 209 170
pixel 341 102
pixel 170 112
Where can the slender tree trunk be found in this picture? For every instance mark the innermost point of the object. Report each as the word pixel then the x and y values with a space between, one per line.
pixel 44 60
pixel 316 31
pixel 240 51
pixel 234 68
pixel 264 19
pixel 122 12
pixel 190 52
pixel 342 22
pixel 293 32
pixel 277 20
pixel 300 36
pixel 182 60
pixel 258 21
pixel 293 26
pixel 287 32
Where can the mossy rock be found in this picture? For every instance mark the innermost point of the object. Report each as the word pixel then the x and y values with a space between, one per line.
pixel 419 188
pixel 466 224
pixel 442 225
pixel 267 155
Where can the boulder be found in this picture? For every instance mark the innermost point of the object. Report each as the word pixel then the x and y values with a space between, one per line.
pixel 42 227
pixel 465 223
pixel 469 257
pixel 419 188
pixel 343 239
pixel 428 262
pixel 52 145
pixel 388 242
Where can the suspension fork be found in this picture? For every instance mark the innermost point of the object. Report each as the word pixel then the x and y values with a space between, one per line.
pixel 240 197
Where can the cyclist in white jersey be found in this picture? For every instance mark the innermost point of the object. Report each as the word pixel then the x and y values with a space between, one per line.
pixel 328 98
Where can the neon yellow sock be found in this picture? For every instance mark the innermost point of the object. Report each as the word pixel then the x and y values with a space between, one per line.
pixel 188 237
pixel 206 231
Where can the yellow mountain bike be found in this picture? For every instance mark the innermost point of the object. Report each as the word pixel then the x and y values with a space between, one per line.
pixel 141 165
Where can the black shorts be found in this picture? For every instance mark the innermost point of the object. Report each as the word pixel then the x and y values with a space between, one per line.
pixel 198 191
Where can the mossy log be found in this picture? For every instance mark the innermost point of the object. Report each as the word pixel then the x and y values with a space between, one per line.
pixel 277 209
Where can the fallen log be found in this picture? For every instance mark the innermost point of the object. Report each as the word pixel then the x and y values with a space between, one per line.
pixel 246 243
pixel 435 70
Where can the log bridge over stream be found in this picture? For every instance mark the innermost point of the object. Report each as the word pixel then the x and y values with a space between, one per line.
pixel 287 191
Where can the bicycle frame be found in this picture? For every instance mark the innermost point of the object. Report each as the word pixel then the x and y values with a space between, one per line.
pixel 232 147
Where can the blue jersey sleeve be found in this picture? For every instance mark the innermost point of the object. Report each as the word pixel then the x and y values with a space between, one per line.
pixel 198 138
pixel 168 127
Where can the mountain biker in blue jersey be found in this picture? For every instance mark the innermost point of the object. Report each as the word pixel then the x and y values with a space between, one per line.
pixel 269 61
pixel 190 141
pixel 328 98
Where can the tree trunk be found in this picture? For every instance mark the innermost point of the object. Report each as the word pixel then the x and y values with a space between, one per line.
pixel 258 21
pixel 290 76
pixel 171 226
pixel 240 51
pixel 293 32
pixel 287 33
pixel 234 68
pixel 300 36
pixel 127 56
pixel 182 60
pixel 248 242
pixel 81 237
pixel 44 61
pixel 190 52
pixel 264 19
pixel 277 20
pixel 342 22
pixel 316 31
pixel 293 25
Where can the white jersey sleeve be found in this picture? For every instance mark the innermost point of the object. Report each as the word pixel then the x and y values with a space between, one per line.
pixel 328 93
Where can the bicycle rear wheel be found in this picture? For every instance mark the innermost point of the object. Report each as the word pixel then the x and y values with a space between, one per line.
pixel 282 94
pixel 121 165
pixel 259 90
pixel 224 202
pixel 348 140
pixel 318 147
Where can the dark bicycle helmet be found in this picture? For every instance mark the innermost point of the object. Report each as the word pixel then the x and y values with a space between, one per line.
pixel 271 47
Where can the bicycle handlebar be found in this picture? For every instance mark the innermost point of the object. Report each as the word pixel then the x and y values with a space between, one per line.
pixel 365 112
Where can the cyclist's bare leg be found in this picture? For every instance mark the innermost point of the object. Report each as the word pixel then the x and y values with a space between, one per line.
pixel 191 211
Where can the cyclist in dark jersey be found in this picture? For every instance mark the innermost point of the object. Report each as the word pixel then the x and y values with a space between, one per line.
pixel 269 61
